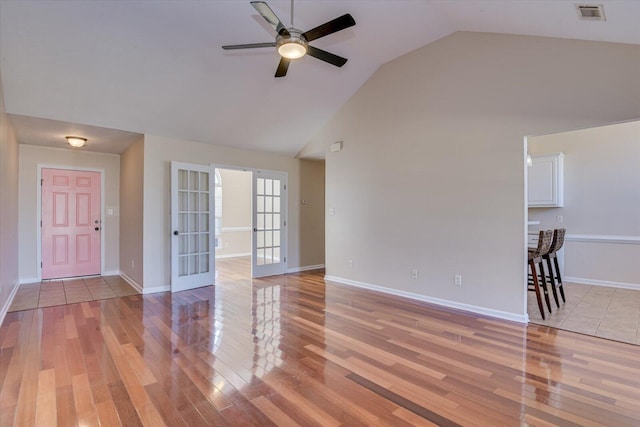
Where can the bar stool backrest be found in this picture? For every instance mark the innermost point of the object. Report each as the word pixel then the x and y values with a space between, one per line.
pixel 558 239
pixel 544 243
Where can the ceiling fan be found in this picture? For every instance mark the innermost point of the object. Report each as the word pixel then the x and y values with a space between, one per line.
pixel 292 43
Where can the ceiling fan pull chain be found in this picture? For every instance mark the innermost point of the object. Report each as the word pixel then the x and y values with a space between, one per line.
pixel 292 13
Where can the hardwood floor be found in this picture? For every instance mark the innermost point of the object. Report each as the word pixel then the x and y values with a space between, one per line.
pixel 294 350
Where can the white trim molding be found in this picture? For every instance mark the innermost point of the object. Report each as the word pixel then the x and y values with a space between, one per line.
pixel 603 238
pixel 5 308
pixel 594 282
pixel 305 268
pixel 135 285
pixel 236 229
pixel 222 256
pixel 514 317
pixel 144 290
pixel 111 273
pixel 156 289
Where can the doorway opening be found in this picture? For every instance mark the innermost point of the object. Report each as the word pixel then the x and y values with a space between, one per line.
pixel 233 226
pixel 250 222
pixel 598 209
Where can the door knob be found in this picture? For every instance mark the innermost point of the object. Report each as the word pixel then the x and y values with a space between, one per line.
pixel 97 228
pixel 175 233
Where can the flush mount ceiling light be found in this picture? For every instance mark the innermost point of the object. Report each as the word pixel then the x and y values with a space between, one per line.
pixel 76 141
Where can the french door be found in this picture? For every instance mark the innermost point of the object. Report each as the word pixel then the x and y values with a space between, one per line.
pixel 71 223
pixel 268 255
pixel 192 226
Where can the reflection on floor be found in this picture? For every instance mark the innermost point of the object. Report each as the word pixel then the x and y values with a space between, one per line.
pixel 68 291
pixel 600 311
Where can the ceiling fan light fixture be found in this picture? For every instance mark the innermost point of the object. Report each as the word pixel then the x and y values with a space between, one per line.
pixel 76 141
pixel 292 47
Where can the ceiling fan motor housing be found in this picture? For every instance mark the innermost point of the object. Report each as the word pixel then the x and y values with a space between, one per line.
pixel 292 46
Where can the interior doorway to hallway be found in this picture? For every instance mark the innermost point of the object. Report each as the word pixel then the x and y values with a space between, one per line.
pixel 233 222
pixel 251 218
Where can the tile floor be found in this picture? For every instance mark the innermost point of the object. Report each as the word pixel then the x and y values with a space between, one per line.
pixel 69 291
pixel 600 311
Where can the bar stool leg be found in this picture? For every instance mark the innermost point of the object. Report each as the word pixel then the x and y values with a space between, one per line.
pixel 552 280
pixel 532 265
pixel 555 260
pixel 544 283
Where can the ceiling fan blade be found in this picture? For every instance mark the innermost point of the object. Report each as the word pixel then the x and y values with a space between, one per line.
pixel 283 66
pixel 338 24
pixel 268 14
pixel 325 56
pixel 249 46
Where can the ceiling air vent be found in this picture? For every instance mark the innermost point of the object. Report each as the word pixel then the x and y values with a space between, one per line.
pixel 591 12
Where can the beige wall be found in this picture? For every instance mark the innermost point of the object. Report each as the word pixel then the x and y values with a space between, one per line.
pixel 158 154
pixel 8 209
pixel 601 201
pixel 312 206
pixel 236 213
pixel 431 176
pixel 131 211
pixel 30 157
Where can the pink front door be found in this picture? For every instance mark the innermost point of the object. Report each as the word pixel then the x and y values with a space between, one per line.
pixel 70 223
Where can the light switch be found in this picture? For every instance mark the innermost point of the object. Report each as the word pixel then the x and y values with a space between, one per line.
pixel 109 211
pixel 332 211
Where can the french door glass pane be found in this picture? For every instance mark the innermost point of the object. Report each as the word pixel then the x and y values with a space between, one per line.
pixel 193 221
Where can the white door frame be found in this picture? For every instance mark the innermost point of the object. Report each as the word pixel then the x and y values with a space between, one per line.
pixel 39 213
pixel 284 250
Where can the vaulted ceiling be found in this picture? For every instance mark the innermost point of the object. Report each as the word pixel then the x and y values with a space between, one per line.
pixel 157 67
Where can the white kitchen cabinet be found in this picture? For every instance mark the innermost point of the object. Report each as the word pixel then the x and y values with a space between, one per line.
pixel 546 181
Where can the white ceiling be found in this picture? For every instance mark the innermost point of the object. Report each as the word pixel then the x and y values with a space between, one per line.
pixel 156 67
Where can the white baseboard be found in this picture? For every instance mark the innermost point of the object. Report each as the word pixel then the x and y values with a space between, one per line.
pixel 5 307
pixel 232 255
pixel 111 273
pixel 29 280
pixel 135 285
pixel 156 289
pixel 305 268
pixel 602 283
pixel 514 317
pixel 144 290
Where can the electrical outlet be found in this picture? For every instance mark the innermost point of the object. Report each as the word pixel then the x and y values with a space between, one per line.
pixel 559 218
pixel 457 279
pixel 414 273
pixel 350 263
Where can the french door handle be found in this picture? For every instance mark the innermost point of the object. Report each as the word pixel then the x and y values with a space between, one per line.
pixel 175 233
pixel 255 229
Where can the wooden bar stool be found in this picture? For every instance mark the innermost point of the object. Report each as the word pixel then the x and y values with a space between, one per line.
pixel 554 277
pixel 535 258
